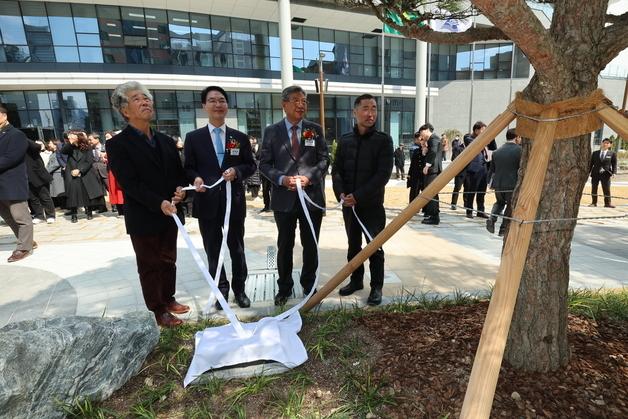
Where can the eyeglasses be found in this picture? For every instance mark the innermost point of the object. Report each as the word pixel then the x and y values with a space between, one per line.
pixel 298 101
pixel 217 101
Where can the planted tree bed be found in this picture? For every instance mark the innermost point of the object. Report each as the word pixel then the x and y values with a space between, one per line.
pixel 397 363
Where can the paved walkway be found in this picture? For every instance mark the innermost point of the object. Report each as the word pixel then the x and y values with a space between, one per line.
pixel 89 268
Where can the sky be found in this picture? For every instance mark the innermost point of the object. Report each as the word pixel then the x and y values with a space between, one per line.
pixel 619 66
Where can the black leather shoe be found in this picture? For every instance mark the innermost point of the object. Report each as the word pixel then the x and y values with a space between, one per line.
pixel 242 300
pixel 74 218
pixel 218 306
pixel 434 221
pixel 482 215
pixel 469 214
pixel 281 299
pixel 375 297
pixel 350 289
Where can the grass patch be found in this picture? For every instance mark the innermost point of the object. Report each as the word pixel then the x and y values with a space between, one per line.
pixel 84 409
pixel 599 303
pixel 365 394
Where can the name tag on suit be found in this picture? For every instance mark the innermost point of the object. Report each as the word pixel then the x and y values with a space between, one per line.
pixel 234 151
pixel 310 143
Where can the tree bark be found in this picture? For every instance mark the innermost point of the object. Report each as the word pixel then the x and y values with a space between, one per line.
pixel 538 334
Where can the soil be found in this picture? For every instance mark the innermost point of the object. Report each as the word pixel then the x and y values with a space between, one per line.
pixel 427 358
pixel 420 362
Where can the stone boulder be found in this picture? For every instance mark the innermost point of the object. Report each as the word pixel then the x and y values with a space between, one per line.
pixel 46 361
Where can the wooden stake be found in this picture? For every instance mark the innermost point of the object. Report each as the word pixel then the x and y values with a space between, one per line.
pixel 481 389
pixel 614 119
pixel 415 206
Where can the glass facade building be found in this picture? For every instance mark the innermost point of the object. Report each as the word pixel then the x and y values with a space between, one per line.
pixel 69 37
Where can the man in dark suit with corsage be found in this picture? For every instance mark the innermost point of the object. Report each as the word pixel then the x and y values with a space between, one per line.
pixel 602 167
pixel 147 166
pixel 292 149
pixel 212 152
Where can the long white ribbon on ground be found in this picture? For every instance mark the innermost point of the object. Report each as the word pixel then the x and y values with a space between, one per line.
pixel 271 338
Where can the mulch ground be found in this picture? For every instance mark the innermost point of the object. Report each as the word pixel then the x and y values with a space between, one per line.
pixel 426 356
pixel 421 361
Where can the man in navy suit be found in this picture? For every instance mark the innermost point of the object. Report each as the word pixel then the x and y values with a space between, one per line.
pixel 292 149
pixel 212 152
pixel 602 167
pixel 14 186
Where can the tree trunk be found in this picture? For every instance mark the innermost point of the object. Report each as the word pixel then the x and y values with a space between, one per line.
pixel 538 334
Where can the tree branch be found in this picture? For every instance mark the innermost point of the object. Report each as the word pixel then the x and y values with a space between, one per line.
pixel 518 22
pixel 615 19
pixel 412 28
pixel 615 38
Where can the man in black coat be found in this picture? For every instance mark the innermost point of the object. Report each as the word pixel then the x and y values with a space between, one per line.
pixel 602 167
pixel 212 152
pixel 361 169
pixel 294 148
pixel 14 186
pixel 505 168
pixel 400 161
pixel 457 147
pixel 39 184
pixel 431 170
pixel 147 166
pixel 475 182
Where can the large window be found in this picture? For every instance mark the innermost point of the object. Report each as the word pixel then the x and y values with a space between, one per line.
pixel 488 61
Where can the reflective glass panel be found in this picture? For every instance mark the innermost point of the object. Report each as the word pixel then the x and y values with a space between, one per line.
pixel 90 55
pixel 67 54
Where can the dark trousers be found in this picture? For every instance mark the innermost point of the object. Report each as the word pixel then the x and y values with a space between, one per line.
pixel 502 200
pixel 211 231
pixel 40 202
pixel 374 219
pixel 475 188
pixel 605 179
pixel 266 185
pixel 156 257
pixel 431 208
pixel 286 226
pixel 458 182
pixel 400 169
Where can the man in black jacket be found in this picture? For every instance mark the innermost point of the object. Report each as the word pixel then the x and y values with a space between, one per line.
pixel 431 170
pixel 361 169
pixel 147 166
pixel 602 167
pixel 475 181
pixel 14 186
pixel 457 147
pixel 39 184
pixel 505 167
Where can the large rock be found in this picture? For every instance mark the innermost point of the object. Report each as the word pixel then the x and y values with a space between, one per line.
pixel 61 359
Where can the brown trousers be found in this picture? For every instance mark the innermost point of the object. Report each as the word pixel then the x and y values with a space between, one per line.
pixel 156 257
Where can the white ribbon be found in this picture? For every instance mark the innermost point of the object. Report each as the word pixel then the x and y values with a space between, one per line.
pixel 213 284
pixel 364 229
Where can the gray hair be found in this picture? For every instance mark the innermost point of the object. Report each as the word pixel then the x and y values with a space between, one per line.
pixel 285 93
pixel 119 98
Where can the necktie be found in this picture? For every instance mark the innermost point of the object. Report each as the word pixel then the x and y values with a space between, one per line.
pixel 295 142
pixel 220 149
